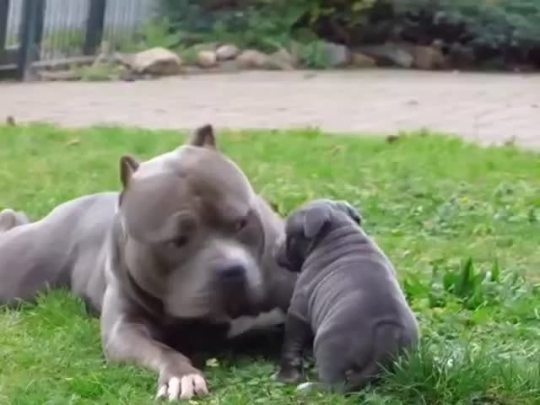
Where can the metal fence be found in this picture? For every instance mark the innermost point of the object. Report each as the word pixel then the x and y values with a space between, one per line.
pixel 44 31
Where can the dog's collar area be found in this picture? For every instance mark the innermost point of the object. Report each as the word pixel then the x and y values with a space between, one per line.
pixel 146 300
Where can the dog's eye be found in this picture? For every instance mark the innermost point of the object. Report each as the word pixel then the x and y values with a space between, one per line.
pixel 240 224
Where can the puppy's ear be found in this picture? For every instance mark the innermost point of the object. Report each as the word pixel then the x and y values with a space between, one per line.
pixel 128 166
pixel 204 137
pixel 314 221
pixel 351 211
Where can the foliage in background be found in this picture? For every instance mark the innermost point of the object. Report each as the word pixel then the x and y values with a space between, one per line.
pixel 505 29
pixel 263 24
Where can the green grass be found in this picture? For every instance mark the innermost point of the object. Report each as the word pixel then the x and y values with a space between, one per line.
pixel 461 223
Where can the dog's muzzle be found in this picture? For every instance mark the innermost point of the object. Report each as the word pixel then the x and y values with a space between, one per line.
pixel 233 289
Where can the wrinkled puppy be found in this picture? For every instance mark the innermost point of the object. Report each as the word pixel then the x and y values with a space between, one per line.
pixel 347 297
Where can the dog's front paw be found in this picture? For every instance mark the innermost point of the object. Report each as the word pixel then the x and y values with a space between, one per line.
pixel 288 375
pixel 181 383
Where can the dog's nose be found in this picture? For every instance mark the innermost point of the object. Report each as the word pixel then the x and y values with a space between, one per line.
pixel 232 274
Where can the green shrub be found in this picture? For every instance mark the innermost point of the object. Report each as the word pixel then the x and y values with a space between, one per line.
pixel 505 29
pixel 263 24
pixel 468 284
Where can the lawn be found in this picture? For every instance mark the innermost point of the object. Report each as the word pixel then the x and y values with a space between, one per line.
pixel 461 223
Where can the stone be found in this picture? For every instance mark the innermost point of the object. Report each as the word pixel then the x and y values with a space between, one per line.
pixel 227 52
pixel 428 58
pixel 389 54
pixel 281 60
pixel 229 66
pixel 359 60
pixel 206 59
pixel 336 55
pixel 252 59
pixel 155 61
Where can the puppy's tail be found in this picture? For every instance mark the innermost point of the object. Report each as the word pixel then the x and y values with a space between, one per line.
pixel 388 344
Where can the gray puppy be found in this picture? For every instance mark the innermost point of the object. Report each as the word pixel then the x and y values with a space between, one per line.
pixel 347 297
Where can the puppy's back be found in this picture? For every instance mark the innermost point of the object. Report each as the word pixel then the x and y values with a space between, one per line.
pixel 359 313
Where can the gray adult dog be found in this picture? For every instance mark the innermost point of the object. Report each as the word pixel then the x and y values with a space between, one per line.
pixel 347 296
pixel 187 246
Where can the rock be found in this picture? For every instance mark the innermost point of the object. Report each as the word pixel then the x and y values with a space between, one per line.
pixel 252 59
pixel 281 60
pixel 428 58
pixel 206 59
pixel 227 52
pixel 229 66
pixel 155 61
pixel 389 54
pixel 336 55
pixel 359 60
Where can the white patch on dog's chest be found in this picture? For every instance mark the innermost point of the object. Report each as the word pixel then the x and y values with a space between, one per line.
pixel 264 320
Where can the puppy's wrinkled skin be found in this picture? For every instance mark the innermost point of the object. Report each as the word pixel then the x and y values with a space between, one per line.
pixel 347 296
pixel 180 258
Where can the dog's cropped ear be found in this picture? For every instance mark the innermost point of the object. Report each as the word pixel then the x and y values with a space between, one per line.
pixel 204 137
pixel 314 221
pixel 128 166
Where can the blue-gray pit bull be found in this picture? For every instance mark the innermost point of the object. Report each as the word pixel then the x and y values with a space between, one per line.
pixel 347 297
pixel 182 255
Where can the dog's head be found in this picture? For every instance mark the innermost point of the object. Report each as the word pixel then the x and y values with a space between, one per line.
pixel 307 225
pixel 194 236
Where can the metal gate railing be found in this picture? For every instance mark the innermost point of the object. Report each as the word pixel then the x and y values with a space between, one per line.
pixel 40 32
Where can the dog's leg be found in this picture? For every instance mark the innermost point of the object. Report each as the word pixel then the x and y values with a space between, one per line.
pixel 126 339
pixel 297 333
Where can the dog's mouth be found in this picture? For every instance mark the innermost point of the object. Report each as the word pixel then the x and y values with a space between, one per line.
pixel 235 300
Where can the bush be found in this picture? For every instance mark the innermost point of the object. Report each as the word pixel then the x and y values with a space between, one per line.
pixel 505 29
pixel 262 24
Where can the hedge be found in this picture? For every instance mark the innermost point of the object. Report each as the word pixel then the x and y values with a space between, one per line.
pixel 506 30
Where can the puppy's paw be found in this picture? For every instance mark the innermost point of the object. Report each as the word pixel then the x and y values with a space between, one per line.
pixel 306 387
pixel 288 375
pixel 175 385
pixel 310 387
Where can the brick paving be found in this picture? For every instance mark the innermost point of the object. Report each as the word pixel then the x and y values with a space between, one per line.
pixel 485 108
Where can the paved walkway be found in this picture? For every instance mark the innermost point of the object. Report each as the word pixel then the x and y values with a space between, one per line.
pixel 488 108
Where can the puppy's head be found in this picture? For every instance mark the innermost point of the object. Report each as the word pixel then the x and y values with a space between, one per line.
pixel 307 225
pixel 194 235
